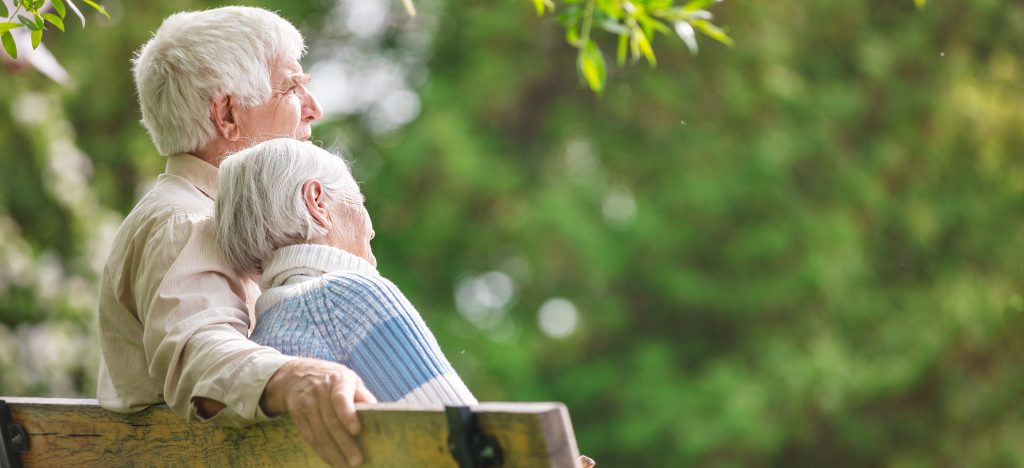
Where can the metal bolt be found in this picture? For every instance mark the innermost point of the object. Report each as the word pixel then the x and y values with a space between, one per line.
pixel 18 437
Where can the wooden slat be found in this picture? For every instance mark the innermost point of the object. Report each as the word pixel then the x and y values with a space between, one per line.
pixel 81 434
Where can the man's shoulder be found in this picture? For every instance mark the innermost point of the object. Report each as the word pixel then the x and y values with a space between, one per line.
pixel 169 202
pixel 168 213
pixel 173 196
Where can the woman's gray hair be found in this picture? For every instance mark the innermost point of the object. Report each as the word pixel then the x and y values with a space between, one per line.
pixel 260 206
pixel 197 56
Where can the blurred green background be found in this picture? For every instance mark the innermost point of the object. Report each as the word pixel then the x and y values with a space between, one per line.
pixel 802 251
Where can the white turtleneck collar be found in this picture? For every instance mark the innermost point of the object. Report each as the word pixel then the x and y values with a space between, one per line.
pixel 301 262
pixel 295 266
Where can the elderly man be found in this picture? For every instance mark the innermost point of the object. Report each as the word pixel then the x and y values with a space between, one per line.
pixel 174 316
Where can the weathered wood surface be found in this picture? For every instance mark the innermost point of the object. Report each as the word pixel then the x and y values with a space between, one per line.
pixel 79 433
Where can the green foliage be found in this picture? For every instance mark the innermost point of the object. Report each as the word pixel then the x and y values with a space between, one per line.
pixel 96 7
pixel 35 21
pixel 591 65
pixel 54 20
pixel 634 23
pixel 9 45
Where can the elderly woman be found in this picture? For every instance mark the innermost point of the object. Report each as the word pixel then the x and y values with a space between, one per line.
pixel 292 213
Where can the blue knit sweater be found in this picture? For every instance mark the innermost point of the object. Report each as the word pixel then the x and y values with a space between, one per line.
pixel 323 302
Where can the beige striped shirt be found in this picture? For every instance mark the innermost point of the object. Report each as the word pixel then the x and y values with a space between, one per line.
pixel 174 318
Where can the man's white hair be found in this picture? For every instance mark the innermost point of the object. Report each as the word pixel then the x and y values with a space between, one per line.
pixel 197 56
pixel 260 206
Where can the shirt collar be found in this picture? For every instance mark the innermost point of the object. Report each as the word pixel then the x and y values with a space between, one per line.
pixel 199 173
pixel 299 262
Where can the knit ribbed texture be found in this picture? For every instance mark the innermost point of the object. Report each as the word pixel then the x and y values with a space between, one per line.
pixel 355 317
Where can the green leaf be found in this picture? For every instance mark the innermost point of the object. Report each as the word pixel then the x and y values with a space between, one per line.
pixel 591 66
pixel 543 5
pixel 699 5
pixel 572 36
pixel 97 7
pixel 28 23
pixel 59 6
pixel 641 45
pixel 54 20
pixel 7 26
pixel 9 46
pixel 920 3
pixel 651 25
pixel 609 10
pixel 27 4
pixel 78 12
pixel 39 21
pixel 620 57
pixel 687 34
pixel 37 37
pixel 612 26
pixel 713 32
pixel 3 9
pixel 570 16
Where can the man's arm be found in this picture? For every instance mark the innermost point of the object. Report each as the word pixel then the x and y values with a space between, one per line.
pixel 196 322
pixel 196 327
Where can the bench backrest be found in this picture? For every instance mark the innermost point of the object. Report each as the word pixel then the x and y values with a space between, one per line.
pixel 79 433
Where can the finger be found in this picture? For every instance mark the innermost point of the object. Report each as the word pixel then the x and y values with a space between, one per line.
pixel 348 446
pixel 363 394
pixel 587 462
pixel 339 433
pixel 344 411
pixel 343 401
pixel 315 437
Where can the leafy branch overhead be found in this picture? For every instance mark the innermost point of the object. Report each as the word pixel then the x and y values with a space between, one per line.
pixel 635 23
pixel 29 14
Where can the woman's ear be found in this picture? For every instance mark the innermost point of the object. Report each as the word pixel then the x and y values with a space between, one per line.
pixel 316 202
pixel 223 111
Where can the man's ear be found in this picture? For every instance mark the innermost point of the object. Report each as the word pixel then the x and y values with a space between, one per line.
pixel 316 202
pixel 223 114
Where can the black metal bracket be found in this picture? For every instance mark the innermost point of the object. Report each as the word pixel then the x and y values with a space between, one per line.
pixel 13 439
pixel 469 446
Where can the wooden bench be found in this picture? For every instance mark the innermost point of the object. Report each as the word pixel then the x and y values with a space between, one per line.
pixel 46 432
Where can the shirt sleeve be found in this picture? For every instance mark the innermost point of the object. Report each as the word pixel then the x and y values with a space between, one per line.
pixel 196 325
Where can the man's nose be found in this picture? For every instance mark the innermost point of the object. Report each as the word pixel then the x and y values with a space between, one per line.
pixel 311 110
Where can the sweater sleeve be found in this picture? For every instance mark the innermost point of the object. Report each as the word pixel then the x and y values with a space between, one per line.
pixel 381 336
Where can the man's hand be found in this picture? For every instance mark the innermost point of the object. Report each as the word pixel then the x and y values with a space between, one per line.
pixel 320 397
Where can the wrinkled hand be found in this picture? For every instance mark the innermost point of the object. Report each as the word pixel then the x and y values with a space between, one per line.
pixel 320 397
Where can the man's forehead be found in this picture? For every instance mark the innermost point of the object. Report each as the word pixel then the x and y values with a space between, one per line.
pixel 285 68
